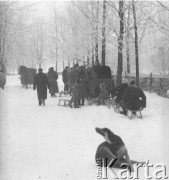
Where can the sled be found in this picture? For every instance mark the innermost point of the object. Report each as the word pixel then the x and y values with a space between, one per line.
pixel 131 113
pixel 63 93
pixel 63 102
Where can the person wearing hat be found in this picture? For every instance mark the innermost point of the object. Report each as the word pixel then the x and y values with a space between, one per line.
pixel 73 76
pixel 112 148
pixel 133 98
pixel 64 78
pixel 52 78
pixel 41 84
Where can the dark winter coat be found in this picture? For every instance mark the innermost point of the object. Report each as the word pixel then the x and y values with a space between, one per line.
pixel 97 70
pixel 134 98
pixel 105 72
pixel 91 76
pixel 73 77
pixel 118 92
pixel 41 83
pixel 52 78
pixel 84 85
pixel 2 80
pixel 64 76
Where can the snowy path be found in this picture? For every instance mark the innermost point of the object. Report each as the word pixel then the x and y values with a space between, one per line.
pixel 54 142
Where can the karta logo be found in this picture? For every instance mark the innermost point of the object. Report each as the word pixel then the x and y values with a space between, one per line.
pixel 105 167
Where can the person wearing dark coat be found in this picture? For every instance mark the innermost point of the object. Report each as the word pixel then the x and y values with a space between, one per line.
pixel 64 78
pixel 2 79
pixel 105 72
pixel 41 84
pixel 73 77
pixel 92 76
pixel 97 69
pixel 118 91
pixel 83 89
pixel 133 98
pixel 113 147
pixel 52 78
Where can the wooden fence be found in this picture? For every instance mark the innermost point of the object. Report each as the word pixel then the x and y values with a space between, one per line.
pixel 158 85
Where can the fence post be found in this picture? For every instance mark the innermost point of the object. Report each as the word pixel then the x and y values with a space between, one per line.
pixel 151 81
pixel 159 89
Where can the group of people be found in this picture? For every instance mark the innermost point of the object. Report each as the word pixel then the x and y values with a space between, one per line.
pixel 80 82
pixel 43 81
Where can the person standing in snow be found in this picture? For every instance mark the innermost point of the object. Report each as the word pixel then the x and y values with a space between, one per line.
pixel 64 78
pixel 2 79
pixel 41 84
pixel 133 98
pixel 52 78
pixel 73 76
pixel 92 76
pixel 83 90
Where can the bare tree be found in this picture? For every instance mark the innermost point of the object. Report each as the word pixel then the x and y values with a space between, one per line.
pixel 136 44
pixel 38 41
pixel 120 44
pixel 104 34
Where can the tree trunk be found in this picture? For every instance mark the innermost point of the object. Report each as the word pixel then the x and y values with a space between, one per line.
pixel 136 44
pixel 92 56
pixel 93 40
pixel 120 44
pixel 96 35
pixel 104 34
pixel 128 41
pixel 56 33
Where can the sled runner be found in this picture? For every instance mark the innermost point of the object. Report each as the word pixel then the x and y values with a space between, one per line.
pixel 63 102
pixel 63 93
pixel 131 113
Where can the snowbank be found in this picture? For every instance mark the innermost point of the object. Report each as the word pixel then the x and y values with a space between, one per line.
pixel 54 142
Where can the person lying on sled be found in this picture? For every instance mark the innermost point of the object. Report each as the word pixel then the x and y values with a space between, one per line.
pixel 113 147
pixel 133 98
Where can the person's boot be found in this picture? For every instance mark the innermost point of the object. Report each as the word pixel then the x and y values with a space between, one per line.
pixel 40 103
pixel 43 102
pixel 70 105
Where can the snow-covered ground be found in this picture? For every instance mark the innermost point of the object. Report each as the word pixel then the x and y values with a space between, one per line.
pixel 56 143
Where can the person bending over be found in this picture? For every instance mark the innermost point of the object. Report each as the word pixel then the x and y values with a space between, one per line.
pixel 133 98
